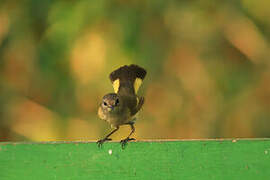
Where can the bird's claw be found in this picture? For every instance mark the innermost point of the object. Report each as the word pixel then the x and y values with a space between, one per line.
pixel 101 141
pixel 125 141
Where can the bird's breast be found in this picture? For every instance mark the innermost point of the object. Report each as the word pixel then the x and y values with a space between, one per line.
pixel 115 117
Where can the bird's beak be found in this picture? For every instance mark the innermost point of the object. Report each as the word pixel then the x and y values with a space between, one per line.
pixel 110 108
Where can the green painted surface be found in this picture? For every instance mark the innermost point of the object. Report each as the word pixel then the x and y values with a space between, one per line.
pixel 209 159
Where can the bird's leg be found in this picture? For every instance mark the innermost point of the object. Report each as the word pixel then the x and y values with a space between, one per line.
pixel 124 141
pixel 101 141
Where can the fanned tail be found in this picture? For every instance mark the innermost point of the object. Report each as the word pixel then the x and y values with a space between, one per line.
pixel 131 76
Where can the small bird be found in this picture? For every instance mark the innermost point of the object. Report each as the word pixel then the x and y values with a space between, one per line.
pixel 120 107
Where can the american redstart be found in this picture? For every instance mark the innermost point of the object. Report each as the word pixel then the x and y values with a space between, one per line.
pixel 119 108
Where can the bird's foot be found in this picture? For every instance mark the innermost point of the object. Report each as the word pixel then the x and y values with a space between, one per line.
pixel 125 141
pixel 101 141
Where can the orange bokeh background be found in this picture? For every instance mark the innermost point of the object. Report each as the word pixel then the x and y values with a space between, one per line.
pixel 208 67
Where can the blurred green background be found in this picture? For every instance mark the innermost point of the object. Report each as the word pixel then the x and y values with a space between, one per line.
pixel 207 61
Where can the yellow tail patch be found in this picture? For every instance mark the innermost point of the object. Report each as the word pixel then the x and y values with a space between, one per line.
pixel 116 85
pixel 137 84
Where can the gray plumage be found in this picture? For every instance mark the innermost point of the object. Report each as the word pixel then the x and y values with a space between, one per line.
pixel 119 108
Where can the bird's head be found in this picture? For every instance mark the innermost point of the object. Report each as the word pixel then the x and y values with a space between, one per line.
pixel 110 102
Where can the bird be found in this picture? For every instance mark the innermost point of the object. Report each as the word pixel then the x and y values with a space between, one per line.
pixel 120 107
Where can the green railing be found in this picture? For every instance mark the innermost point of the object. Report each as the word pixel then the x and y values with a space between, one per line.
pixel 147 160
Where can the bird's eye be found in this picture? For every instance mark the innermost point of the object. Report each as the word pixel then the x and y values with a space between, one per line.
pixel 104 103
pixel 116 101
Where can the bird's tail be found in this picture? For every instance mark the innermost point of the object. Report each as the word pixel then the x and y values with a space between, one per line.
pixel 130 77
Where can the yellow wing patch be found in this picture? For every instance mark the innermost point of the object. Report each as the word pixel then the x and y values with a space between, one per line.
pixel 137 84
pixel 116 85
